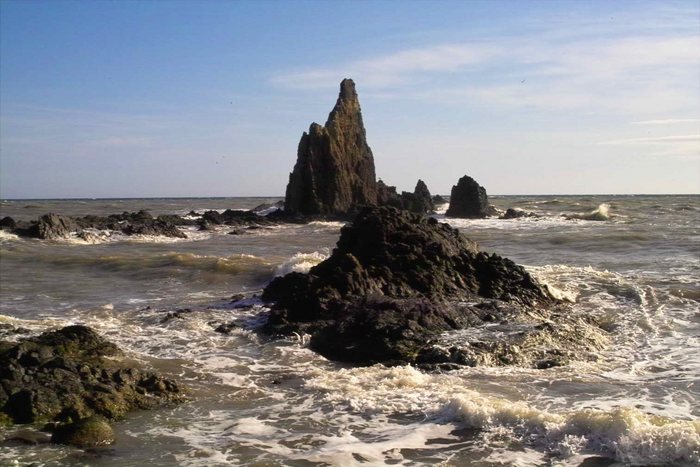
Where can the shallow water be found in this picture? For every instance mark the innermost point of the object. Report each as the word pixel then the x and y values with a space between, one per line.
pixel 631 261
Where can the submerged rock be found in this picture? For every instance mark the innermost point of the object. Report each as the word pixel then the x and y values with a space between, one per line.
pixel 334 172
pixel 73 373
pixel 394 282
pixel 468 199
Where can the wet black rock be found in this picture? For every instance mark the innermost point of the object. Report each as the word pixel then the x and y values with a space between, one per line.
pixel 468 199
pixel 73 373
pixel 394 281
pixel 7 223
pixel 334 172
pixel 514 213
pixel 87 432
pixel 266 208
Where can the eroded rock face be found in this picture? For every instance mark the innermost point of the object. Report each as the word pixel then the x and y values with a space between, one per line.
pixel 468 199
pixel 334 172
pixel 71 374
pixel 394 282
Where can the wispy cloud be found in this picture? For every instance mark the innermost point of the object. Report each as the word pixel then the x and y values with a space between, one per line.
pixel 634 75
pixel 656 140
pixel 667 121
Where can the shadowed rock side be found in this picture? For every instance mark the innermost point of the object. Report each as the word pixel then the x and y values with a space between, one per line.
pixel 334 172
pixel 468 199
pixel 419 202
pixel 395 281
pixel 72 374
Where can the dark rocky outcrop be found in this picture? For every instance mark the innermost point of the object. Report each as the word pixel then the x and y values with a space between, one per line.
pixel 71 374
pixel 53 226
pixel 8 223
pixel 515 213
pixel 468 199
pixel 419 202
pixel 87 432
pixel 394 282
pixel 334 172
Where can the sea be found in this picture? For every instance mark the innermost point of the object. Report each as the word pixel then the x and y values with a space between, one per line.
pixel 632 262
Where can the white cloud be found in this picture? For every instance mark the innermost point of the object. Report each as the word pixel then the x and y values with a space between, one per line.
pixel 656 140
pixel 667 121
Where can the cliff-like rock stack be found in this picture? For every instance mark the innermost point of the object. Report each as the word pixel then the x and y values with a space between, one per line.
pixel 469 200
pixel 334 172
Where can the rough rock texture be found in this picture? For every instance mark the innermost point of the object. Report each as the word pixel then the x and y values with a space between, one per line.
pixel 88 432
pixel 468 200
pixel 53 226
pixel 419 201
pixel 70 374
pixel 515 213
pixel 334 172
pixel 395 281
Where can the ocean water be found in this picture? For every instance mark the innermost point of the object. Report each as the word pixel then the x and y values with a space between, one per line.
pixel 633 262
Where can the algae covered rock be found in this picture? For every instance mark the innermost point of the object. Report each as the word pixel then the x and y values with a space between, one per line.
pixel 74 373
pixel 88 432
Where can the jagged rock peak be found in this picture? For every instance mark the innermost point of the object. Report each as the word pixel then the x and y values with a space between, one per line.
pixel 334 172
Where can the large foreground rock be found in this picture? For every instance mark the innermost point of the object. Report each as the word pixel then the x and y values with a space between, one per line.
pixel 334 172
pixel 71 374
pixel 468 199
pixel 394 282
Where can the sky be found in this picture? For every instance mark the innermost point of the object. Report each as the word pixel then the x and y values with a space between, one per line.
pixel 209 98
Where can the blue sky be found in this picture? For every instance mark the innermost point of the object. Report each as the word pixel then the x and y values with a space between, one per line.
pixel 209 98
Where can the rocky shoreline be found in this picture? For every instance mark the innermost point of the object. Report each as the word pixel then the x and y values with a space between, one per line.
pixel 396 287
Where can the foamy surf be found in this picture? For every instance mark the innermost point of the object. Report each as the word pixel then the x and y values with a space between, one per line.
pixel 601 213
pixel 301 262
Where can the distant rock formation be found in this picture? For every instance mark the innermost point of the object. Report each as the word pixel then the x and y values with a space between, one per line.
pixel 395 281
pixel 420 201
pixel 334 172
pixel 469 200
pixel 54 226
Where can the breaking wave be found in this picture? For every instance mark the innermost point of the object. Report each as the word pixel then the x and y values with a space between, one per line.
pixel 301 262
pixel 601 213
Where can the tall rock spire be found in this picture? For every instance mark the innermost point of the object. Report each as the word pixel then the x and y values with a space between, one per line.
pixel 334 172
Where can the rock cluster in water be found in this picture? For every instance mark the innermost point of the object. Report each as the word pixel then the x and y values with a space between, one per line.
pixel 73 374
pixel 419 202
pixel 468 199
pixel 54 226
pixel 334 171
pixel 393 283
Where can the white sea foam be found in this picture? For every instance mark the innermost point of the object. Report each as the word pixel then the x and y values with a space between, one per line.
pixel 301 262
pixel 6 236
pixel 601 213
